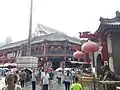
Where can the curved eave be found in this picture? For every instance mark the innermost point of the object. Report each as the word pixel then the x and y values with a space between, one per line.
pixel 57 37
pixel 56 41
pixel 104 27
pixel 13 45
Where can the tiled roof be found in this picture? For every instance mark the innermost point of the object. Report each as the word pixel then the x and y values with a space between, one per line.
pixel 15 44
pixel 49 37
pixel 109 23
pixel 57 37
pixel 112 21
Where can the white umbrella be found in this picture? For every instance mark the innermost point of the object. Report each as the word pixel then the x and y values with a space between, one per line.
pixel 10 64
pixel 67 69
pixel 58 69
pixel 2 66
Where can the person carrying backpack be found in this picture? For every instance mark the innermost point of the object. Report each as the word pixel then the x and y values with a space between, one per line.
pixel 76 85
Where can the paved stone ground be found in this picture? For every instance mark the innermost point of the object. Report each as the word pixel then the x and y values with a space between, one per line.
pixel 38 87
pixel 29 86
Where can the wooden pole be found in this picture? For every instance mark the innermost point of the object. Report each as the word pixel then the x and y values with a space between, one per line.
pixel 93 70
pixel 93 65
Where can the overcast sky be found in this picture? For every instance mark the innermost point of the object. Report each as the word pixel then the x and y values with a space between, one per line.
pixel 69 16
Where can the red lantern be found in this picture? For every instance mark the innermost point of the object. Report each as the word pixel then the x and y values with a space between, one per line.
pixel 78 54
pixel 90 47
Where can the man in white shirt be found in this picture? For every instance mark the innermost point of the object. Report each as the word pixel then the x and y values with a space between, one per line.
pixel 59 74
pixel 73 75
pixel 42 72
pixel 33 80
pixel 45 79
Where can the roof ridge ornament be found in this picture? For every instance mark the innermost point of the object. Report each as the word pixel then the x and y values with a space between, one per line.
pixel 40 31
pixel 112 20
pixel 103 19
pixel 117 14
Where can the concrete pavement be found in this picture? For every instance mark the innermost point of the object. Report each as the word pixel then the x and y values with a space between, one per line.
pixel 38 87
pixel 29 85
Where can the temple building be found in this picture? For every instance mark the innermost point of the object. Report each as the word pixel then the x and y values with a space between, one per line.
pixel 108 35
pixel 47 44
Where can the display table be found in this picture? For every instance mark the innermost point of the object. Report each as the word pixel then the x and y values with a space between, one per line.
pixel 106 83
pixel 86 81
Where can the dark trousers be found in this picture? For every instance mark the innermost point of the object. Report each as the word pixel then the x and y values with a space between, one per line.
pixel 33 85
pixel 67 85
pixel 59 80
pixel 45 86
pixel 22 83
pixel 73 79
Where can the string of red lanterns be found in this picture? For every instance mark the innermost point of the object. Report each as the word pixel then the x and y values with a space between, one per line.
pixel 88 47
pixel 78 54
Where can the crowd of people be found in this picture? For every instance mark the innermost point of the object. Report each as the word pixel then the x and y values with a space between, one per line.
pixel 44 77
